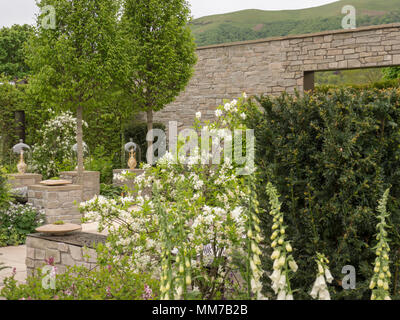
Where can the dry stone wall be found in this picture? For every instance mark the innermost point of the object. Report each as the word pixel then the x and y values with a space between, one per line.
pixel 271 66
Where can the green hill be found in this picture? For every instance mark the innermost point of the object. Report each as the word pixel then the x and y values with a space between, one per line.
pixel 258 24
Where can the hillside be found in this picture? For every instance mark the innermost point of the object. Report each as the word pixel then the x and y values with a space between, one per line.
pixel 258 24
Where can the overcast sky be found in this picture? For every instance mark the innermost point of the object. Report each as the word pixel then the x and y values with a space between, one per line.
pixel 23 11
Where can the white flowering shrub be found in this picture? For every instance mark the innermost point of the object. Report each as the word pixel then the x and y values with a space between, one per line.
pixel 53 151
pixel 198 232
pixel 17 221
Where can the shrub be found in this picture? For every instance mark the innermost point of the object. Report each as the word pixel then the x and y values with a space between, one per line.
pixel 109 191
pixel 53 151
pixel 4 190
pixel 192 231
pixel 331 155
pixel 16 222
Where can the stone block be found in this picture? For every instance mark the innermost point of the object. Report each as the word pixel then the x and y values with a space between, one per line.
pixel 76 252
pixel 67 260
pixel 53 253
pixel 62 247
pixel 40 254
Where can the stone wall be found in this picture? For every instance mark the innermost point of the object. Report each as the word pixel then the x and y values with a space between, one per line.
pixel 64 252
pixel 58 202
pixel 23 180
pixel 91 182
pixel 271 66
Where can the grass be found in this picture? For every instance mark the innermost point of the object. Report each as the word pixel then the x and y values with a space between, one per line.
pixel 251 18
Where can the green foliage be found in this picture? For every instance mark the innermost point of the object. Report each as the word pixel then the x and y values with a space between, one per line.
pixel 160 50
pixel 391 73
pixel 353 77
pixel 4 190
pixel 109 191
pixel 101 161
pixel 10 101
pixel 385 84
pixel 138 132
pixel 16 222
pixel 12 55
pixel 105 282
pixel 331 155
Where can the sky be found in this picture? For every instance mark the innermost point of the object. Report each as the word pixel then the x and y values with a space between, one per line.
pixel 23 11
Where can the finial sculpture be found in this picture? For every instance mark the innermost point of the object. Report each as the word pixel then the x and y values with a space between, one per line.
pixel 22 166
pixel 132 163
pixel 19 149
pixel 131 147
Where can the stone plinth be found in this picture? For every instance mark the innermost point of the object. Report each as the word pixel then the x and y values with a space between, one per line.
pixel 18 180
pixel 68 250
pixel 58 202
pixel 91 182
pixel 130 183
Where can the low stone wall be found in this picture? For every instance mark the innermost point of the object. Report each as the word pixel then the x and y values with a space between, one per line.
pixel 91 182
pixel 58 202
pixel 75 249
pixel 23 180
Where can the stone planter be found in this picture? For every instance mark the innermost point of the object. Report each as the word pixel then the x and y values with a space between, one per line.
pixel 91 182
pixel 58 202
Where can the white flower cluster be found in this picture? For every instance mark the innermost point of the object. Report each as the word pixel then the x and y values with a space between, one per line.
pixel 201 206
pixel 54 147
pixel 381 278
pixel 320 289
pixel 284 262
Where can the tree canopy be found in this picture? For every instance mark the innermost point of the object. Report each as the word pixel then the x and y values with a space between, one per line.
pixel 74 64
pixel 12 55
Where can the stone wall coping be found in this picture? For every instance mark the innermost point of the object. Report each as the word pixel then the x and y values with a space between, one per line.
pixel 74 173
pixel 69 239
pixel 69 187
pixel 300 36
pixel 25 175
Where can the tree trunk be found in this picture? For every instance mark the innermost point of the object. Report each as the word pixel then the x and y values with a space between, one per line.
pixel 150 143
pixel 79 140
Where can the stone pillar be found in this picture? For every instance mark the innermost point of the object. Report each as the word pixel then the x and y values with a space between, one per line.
pixel 75 249
pixel 129 183
pixel 91 182
pixel 58 202
pixel 23 180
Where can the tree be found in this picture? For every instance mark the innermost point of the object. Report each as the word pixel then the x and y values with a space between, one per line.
pixel 74 64
pixel 12 56
pixel 161 53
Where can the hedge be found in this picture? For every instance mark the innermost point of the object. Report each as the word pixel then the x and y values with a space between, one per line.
pixel 331 155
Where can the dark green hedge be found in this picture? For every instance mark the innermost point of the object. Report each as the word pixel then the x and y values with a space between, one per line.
pixel 331 155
